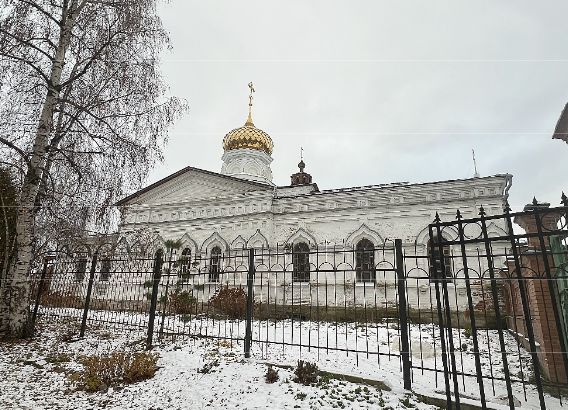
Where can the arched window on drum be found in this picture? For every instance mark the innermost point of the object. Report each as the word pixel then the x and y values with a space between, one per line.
pixel 301 262
pixel 365 261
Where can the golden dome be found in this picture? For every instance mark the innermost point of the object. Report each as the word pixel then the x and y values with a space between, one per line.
pixel 248 136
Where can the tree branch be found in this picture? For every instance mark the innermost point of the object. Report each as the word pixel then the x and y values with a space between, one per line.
pixel 23 154
pixel 41 10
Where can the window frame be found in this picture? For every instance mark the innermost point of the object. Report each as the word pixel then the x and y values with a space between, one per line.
pixel 215 264
pixel 433 271
pixel 185 261
pixel 105 271
pixel 81 268
pixel 301 262
pixel 365 270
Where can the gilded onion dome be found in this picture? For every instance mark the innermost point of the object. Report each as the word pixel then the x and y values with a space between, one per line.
pixel 248 136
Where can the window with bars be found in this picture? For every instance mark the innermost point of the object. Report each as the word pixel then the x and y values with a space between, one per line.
pixel 185 261
pixel 215 264
pixel 301 262
pixel 106 267
pixel 365 261
pixel 440 264
pixel 80 269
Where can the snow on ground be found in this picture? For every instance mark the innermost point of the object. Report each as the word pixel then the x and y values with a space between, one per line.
pixel 239 382
pixel 35 376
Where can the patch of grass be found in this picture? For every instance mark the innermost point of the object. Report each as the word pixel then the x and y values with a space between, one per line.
pixel 225 343
pixel 208 367
pixel 32 363
pixel 68 335
pixel 101 372
pixel 300 396
pixel 407 403
pixel 58 358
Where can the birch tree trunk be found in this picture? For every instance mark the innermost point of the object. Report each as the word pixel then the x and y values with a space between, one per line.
pixel 15 306
pixel 97 61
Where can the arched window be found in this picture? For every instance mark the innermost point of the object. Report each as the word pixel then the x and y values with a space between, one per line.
pixel 215 264
pixel 301 262
pixel 435 260
pixel 365 261
pixel 185 261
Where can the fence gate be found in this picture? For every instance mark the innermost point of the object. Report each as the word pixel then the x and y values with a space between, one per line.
pixel 500 300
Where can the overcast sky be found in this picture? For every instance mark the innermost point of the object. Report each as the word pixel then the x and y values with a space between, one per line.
pixel 376 91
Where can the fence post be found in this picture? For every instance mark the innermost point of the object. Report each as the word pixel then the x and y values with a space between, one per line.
pixel 40 287
pixel 88 298
pixel 250 298
pixel 165 304
pixel 157 275
pixel 405 345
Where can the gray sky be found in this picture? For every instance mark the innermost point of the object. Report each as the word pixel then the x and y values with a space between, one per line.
pixel 376 91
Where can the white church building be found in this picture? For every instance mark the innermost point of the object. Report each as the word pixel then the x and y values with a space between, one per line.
pixel 216 213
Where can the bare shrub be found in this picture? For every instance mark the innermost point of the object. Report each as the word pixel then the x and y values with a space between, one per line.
pixel 231 302
pixel 306 373
pixel 61 299
pixel 271 375
pixel 182 302
pixel 101 372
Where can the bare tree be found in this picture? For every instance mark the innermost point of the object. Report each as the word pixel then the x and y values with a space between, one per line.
pixel 8 196
pixel 85 115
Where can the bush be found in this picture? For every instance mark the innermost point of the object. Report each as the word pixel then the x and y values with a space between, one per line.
pixel 230 301
pixel 182 302
pixel 61 299
pixel 306 373
pixel 101 372
pixel 271 375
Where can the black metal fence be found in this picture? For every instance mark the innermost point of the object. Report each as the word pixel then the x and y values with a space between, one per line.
pixel 475 307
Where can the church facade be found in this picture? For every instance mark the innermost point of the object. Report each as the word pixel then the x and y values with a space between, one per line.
pixel 242 207
pixel 215 214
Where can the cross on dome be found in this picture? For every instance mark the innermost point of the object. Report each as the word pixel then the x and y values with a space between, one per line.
pixel 248 136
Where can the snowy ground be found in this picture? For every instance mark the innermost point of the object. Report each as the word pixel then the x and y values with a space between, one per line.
pixel 239 383
pixel 36 378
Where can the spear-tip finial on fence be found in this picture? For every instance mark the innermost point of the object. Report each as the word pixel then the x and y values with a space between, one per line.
pixel 507 207
pixel 458 214
pixel 564 199
pixel 437 218
pixel 481 211
pixel 534 201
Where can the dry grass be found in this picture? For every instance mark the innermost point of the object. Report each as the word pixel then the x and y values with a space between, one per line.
pixel 101 372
